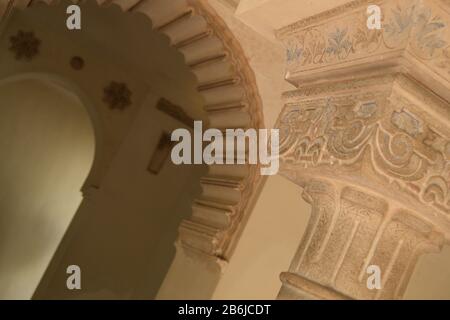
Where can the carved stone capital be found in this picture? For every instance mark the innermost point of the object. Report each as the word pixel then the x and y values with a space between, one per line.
pixel 387 134
pixel 384 142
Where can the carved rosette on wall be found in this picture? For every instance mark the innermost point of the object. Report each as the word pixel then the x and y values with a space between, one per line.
pixel 117 95
pixel 24 45
pixel 370 145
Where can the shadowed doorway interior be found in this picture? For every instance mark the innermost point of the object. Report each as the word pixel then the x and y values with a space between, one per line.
pixel 47 149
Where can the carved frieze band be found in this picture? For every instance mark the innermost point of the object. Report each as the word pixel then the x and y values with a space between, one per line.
pixel 420 25
pixel 411 30
pixel 373 131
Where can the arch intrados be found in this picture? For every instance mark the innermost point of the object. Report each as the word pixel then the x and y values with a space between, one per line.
pixel 71 88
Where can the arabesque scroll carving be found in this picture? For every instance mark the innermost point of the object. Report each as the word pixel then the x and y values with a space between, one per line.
pixel 361 129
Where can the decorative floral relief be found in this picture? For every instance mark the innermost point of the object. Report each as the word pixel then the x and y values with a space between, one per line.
pixel 309 48
pixel 407 123
pixel 426 32
pixel 326 134
pixel 437 192
pixel 366 40
pixel 428 37
pixel 339 44
pixel 313 47
pixel 25 45
pixel 117 95
pixel 294 53
pixel 399 23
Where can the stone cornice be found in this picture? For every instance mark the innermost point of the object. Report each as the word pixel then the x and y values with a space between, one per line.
pixel 294 27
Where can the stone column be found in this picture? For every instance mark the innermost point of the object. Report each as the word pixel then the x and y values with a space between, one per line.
pixel 350 230
pixel 367 135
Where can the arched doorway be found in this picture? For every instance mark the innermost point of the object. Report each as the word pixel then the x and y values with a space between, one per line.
pixel 47 144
